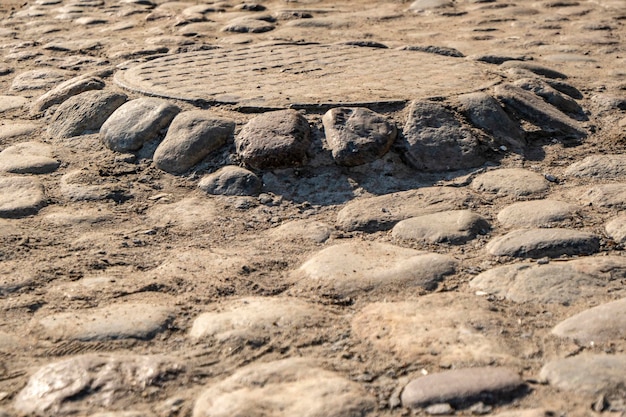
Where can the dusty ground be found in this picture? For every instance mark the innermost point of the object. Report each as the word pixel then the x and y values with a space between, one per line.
pixel 130 238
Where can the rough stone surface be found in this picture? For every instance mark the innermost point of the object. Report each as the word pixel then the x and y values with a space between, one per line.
pixel 588 374
pixel 536 213
pixel 357 135
pixel 121 321
pixel 558 282
pixel 84 113
pixel 604 195
pixel 192 136
pixel 454 227
pixel 317 232
pixel 66 90
pixel 269 390
pixel 28 158
pixel 510 182
pixel 274 140
pixel 86 185
pixel 383 212
pixel 38 79
pixel 435 140
pixel 534 68
pixel 188 213
pixel 537 243
pixel 599 166
pixel 452 327
pixel 616 229
pixel 136 122
pixel 231 180
pixel 255 319
pixel 11 130
pixel 532 108
pixel 60 388
pixel 248 25
pixel 552 96
pixel 602 324
pixel 460 386
pixel 350 269
pixel 11 103
pixel 20 196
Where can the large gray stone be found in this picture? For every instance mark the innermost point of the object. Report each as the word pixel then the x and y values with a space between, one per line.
pixel 277 139
pixel 448 328
pixel 231 180
pixel 604 195
pixel 460 386
pixel 351 269
pixel 435 140
pixel 383 212
pixel 588 374
pixel 616 229
pixel 510 182
pixel 454 227
pixel 192 136
pixel 538 243
pixel 75 385
pixel 602 324
pixel 534 109
pixel 555 282
pixel 118 321
pixel 599 166
pixel 357 135
pixel 28 158
pixel 20 196
pixel 84 113
pixel 66 90
pixel 285 388
pixel 536 213
pixel 484 112
pixel 552 96
pixel 136 122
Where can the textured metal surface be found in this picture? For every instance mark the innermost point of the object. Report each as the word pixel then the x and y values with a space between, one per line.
pixel 288 75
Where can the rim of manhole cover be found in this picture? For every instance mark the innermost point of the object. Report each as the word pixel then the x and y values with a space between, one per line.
pixel 301 75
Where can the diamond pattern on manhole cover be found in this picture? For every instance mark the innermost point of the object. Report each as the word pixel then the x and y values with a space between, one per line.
pixel 292 75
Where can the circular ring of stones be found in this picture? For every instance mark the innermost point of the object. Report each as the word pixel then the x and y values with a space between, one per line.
pixel 302 75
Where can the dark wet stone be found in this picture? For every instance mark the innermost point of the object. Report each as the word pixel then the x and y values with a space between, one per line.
pixel 136 122
pixel 28 158
pixel 535 68
pixel 231 180
pixel 456 227
pixel 602 324
pixel 532 108
pixel 554 282
pixel 499 59
pixel 20 196
pixel 460 386
pixel 192 136
pixel 538 243
pixel 544 90
pixel 435 140
pixel 536 213
pixel 484 112
pixel 75 385
pixel 269 390
pixel 277 139
pixel 437 50
pixel 599 166
pixel 352 269
pixel 357 135
pixel 84 113
pixel 512 182
pixel 66 90
pixel 383 212
pixel 588 374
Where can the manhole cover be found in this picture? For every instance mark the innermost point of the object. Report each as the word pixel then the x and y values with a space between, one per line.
pixel 289 75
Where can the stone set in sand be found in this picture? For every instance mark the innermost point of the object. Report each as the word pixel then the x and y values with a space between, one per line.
pixel 312 208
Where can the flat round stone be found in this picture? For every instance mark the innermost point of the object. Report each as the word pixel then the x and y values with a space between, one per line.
pixel 555 282
pixel 512 182
pixel 605 195
pixel 588 374
pixel 601 324
pixel 284 75
pixel 122 321
pixel 536 213
pixel 285 388
pixel 349 269
pixel 454 227
pixel 20 196
pixel 28 158
pixel 616 229
pixel 460 386
pixel 537 243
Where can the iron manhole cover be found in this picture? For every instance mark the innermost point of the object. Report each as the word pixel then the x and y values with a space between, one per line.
pixel 291 75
